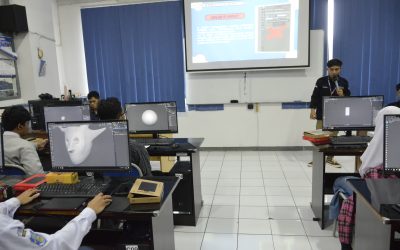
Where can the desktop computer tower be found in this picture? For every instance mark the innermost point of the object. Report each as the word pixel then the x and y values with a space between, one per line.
pixel 182 198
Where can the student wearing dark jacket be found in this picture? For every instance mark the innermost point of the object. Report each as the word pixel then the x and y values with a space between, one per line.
pixel 94 100
pixel 331 85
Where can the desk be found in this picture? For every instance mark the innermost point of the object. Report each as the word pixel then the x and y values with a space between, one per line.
pixel 375 220
pixel 187 200
pixel 322 182
pixel 149 226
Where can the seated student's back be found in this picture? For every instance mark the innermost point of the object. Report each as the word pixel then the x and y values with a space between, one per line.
pixel 17 151
pixel 110 109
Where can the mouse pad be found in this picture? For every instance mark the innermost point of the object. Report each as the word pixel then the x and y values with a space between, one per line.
pixel 63 204
pixel 118 204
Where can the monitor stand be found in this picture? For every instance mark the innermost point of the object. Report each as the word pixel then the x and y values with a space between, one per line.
pixel 348 133
pixel 97 176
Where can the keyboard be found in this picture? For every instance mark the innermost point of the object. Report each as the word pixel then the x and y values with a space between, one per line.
pixel 154 141
pixel 350 140
pixel 81 190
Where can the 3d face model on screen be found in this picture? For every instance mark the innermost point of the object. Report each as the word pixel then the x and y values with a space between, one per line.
pixel 79 141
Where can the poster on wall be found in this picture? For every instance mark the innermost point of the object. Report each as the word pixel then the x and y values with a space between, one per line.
pixel 8 72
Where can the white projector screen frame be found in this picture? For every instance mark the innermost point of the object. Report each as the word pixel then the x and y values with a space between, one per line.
pixel 216 37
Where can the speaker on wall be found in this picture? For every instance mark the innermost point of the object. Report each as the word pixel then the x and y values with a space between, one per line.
pixel 13 19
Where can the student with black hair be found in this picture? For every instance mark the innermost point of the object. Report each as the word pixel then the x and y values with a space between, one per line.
pixel 331 85
pixel 110 109
pixel 94 100
pixel 17 151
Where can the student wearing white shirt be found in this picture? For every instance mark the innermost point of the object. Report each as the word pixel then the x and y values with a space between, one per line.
pixel 14 235
pixel 17 151
pixel 371 168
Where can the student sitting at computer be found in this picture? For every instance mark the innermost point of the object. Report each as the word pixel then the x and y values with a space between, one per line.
pixel 17 151
pixel 94 100
pixel 14 235
pixel 371 167
pixel 110 109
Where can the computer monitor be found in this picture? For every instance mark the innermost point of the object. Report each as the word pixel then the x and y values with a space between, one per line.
pixel 67 113
pixel 152 118
pixel 36 108
pixel 89 146
pixel 350 112
pixel 391 145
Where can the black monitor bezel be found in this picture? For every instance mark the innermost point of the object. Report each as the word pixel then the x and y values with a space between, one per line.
pixel 153 131
pixel 365 128
pixel 385 169
pixel 90 168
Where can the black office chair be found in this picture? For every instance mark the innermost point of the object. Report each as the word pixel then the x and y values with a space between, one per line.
pixel 13 169
pixel 135 171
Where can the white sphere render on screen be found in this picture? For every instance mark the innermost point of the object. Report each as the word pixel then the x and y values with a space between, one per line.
pixel 149 117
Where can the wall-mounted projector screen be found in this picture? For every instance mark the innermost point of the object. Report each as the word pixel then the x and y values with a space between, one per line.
pixel 246 34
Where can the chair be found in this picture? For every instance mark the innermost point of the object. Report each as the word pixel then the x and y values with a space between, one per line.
pixel 135 171
pixel 13 169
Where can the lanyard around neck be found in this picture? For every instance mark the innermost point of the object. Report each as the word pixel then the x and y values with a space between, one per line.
pixel 329 84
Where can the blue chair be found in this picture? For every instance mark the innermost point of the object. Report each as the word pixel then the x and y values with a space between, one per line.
pixel 135 171
pixel 13 169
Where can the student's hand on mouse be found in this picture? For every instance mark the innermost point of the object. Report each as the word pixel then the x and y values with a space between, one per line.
pixel 99 202
pixel 28 196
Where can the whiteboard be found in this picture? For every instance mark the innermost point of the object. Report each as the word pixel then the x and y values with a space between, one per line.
pixel 283 85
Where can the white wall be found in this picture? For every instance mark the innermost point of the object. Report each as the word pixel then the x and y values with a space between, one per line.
pixel 73 52
pixel 40 35
pixel 236 126
pixel 233 127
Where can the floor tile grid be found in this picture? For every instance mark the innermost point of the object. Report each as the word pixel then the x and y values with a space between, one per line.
pixel 309 240
pixel 270 227
pixel 205 230
pixel 291 192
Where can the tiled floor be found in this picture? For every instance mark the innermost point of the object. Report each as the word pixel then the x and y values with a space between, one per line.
pixel 256 200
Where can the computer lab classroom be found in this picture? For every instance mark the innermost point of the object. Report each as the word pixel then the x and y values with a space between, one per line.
pixel 200 124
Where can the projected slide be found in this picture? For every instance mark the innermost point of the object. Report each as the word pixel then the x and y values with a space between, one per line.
pixel 235 34
pixel 274 28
